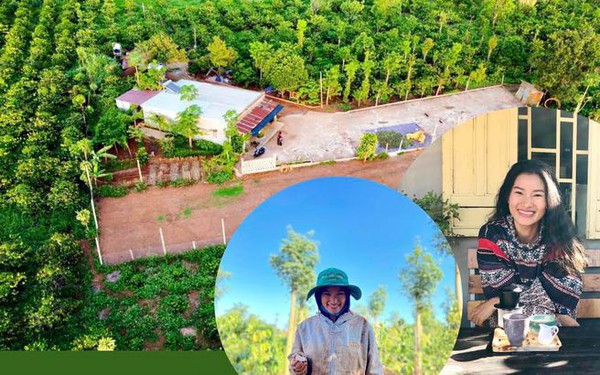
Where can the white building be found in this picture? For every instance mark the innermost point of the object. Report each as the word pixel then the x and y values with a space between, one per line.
pixel 214 100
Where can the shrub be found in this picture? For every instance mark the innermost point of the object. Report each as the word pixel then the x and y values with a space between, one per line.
pixel 113 165
pixel 237 143
pixel 367 147
pixel 389 139
pixel 207 148
pixel 383 156
pixel 111 191
pixel 440 210
pixel 345 107
pixel 217 171
pixel 142 155
pixel 174 304
pixel 182 182
pixel 167 145
pixel 140 186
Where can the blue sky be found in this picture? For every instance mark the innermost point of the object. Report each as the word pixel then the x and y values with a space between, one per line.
pixel 362 227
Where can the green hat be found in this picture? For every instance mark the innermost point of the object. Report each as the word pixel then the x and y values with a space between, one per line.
pixel 334 277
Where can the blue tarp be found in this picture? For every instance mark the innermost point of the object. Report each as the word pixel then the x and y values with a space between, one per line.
pixel 266 120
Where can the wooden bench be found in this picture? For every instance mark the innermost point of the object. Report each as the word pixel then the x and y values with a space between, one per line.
pixel 587 308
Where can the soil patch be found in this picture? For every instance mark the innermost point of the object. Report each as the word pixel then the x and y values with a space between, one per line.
pixel 136 221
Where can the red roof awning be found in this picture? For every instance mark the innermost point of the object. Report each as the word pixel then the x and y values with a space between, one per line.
pixel 256 115
pixel 137 97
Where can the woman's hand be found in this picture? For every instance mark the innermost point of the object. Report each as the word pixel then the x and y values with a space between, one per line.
pixel 299 367
pixel 482 312
pixel 566 321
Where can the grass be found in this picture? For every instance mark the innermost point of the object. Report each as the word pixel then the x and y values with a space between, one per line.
pixel 113 165
pixel 229 191
pixel 185 214
pixel 328 162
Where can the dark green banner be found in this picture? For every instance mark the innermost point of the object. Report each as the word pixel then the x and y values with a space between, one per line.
pixel 111 363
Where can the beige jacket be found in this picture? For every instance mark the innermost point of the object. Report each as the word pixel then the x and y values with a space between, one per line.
pixel 345 347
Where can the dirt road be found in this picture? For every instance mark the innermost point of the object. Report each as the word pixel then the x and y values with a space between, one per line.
pixel 194 215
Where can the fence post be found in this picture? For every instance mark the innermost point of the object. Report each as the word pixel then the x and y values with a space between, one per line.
pixel 131 254
pixel 139 170
pixel 223 230
pixel 162 239
pixel 194 245
pixel 98 248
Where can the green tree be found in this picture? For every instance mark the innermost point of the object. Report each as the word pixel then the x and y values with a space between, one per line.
pixel 565 78
pixel 497 10
pixel 419 279
pixel 220 55
pixel 152 78
pixel 377 302
pixel 187 122
pixel 300 30
pixel 253 346
pixel 391 63
pixel 111 128
pixel 162 48
pixel 443 213
pixel 295 264
pixel 286 71
pixel 350 70
pixel 91 167
pixel 188 92
pixel 427 47
pixel 492 44
pixel 138 58
pixel 363 93
pixel 367 148
pixel 260 53
pixel 332 83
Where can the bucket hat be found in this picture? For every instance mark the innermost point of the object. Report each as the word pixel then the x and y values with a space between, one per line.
pixel 335 277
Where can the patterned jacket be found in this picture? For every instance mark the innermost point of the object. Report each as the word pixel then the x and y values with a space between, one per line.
pixel 503 260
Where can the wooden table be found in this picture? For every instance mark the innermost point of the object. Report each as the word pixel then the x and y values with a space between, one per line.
pixel 579 354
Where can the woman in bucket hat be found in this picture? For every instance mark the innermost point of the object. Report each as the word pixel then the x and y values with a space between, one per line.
pixel 335 340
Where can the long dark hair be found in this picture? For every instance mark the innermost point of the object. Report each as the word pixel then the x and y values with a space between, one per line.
pixel 560 235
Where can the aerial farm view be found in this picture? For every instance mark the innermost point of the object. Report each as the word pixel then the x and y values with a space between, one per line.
pixel 136 136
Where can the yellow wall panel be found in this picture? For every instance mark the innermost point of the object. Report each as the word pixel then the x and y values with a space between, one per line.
pixel 593 207
pixel 475 158
pixel 471 219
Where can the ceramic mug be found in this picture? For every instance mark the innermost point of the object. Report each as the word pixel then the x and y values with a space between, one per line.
pixel 506 312
pixel 516 327
pixel 547 333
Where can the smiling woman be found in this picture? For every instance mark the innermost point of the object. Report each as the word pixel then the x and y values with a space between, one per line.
pixel 335 339
pixel 530 241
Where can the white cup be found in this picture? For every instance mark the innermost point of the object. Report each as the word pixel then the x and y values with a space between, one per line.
pixel 546 334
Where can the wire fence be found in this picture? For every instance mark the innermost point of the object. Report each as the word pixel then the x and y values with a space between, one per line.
pixel 158 250
pixel 164 246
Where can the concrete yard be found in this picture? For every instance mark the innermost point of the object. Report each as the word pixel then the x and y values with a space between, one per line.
pixel 317 136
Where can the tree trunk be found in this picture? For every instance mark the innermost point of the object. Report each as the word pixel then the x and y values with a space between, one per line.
pixel 458 286
pixel 190 141
pixel 291 324
pixel 417 356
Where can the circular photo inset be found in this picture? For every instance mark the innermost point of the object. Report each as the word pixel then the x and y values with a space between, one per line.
pixel 338 275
